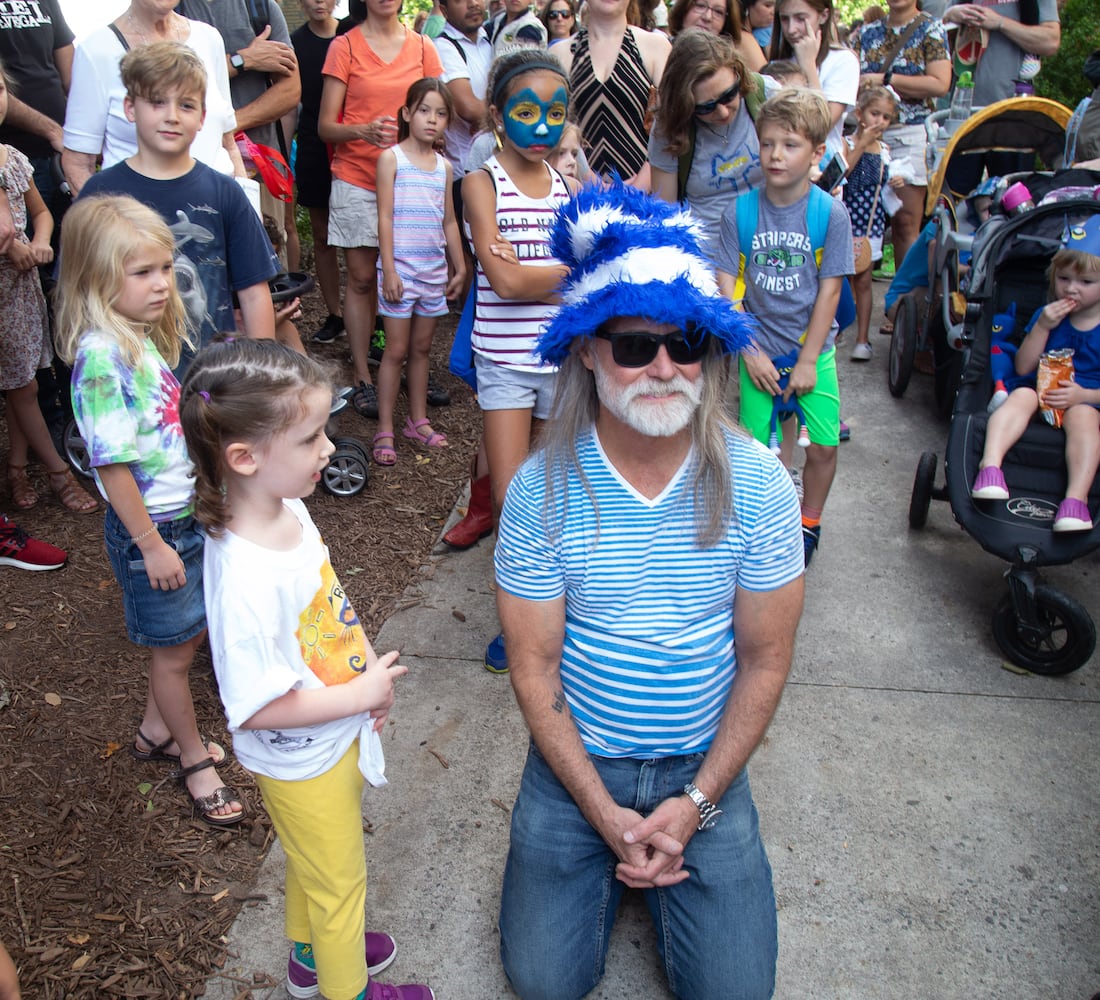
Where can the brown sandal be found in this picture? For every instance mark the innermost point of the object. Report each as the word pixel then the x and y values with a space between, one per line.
pixel 72 496
pixel 23 495
pixel 206 804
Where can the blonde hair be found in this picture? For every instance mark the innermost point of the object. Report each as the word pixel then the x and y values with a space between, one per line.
pixel 153 70
pixel 800 110
pixel 100 236
pixel 1075 261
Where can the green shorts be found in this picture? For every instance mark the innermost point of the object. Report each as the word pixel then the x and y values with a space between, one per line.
pixel 821 407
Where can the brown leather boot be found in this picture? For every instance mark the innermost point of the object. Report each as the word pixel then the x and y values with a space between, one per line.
pixel 478 521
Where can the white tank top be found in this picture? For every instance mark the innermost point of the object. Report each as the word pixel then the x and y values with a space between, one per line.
pixel 505 330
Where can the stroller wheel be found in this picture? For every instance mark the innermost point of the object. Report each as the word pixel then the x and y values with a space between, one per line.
pixel 903 346
pixel 922 487
pixel 347 470
pixel 1062 639
pixel 76 451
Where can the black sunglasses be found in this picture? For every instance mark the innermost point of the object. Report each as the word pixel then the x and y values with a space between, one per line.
pixel 726 98
pixel 559 15
pixel 638 348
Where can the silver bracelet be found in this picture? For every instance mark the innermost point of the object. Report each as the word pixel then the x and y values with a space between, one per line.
pixel 146 533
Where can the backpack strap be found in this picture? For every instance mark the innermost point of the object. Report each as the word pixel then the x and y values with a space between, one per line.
pixel 683 164
pixel 259 15
pixel 755 98
pixel 746 215
pixel 458 46
pixel 817 218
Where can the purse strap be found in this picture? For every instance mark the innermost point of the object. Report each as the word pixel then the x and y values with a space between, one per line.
pixel 899 43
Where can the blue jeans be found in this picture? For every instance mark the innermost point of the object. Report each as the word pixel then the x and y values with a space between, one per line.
pixel 716 931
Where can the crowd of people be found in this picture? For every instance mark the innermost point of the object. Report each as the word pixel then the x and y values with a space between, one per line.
pixel 608 191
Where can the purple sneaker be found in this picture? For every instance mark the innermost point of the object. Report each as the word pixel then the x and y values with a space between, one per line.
pixel 990 484
pixel 301 979
pixel 1073 515
pixel 387 991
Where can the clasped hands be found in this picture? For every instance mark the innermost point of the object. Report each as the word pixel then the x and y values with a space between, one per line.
pixel 651 848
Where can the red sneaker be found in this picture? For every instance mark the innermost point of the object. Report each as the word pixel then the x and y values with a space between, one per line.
pixel 19 549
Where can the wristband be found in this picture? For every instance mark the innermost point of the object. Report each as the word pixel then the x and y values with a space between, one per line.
pixel 887 77
pixel 145 534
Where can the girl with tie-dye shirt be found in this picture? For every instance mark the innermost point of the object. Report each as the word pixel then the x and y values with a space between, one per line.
pixel 121 324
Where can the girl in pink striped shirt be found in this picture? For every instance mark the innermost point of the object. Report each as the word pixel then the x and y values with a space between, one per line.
pixel 417 233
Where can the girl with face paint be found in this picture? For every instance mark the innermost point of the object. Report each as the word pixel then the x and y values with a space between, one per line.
pixel 508 206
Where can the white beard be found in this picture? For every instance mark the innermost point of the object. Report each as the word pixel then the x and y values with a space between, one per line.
pixel 662 417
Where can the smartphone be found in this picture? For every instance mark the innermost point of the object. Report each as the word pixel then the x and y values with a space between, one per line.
pixel 833 173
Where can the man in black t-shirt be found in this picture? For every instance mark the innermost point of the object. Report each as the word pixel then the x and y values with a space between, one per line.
pixel 36 47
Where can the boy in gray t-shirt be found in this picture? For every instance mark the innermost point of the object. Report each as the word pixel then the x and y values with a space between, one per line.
pixel 792 294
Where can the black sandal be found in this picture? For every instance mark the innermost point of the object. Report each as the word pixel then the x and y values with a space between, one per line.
pixel 156 755
pixel 206 804
pixel 364 400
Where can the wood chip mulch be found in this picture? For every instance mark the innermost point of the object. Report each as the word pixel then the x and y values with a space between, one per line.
pixel 109 887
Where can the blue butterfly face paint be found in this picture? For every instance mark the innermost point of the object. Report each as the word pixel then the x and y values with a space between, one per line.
pixel 530 121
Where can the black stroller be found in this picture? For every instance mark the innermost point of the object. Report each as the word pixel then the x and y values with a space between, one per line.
pixel 1037 626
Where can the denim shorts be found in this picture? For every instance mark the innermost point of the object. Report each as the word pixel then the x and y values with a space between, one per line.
pixel 502 388
pixel 158 617
pixel 352 216
pixel 717 931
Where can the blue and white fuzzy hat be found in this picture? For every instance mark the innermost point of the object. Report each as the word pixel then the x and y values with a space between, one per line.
pixel 630 254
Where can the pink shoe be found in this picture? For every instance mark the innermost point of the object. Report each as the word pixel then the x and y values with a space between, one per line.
pixel 1073 515
pixel 990 484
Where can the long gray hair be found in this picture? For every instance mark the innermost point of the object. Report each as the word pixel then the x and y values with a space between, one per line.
pixel 576 407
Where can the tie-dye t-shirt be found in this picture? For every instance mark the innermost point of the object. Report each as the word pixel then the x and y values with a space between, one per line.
pixel 131 416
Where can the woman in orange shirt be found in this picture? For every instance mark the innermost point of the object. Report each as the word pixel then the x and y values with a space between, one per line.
pixel 367 73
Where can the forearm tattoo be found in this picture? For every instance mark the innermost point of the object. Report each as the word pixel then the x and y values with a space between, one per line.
pixel 559 705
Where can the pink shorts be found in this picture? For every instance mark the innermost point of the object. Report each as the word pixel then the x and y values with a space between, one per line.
pixel 420 299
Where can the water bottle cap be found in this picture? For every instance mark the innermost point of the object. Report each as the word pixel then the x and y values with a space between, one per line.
pixel 1015 196
pixel 966 79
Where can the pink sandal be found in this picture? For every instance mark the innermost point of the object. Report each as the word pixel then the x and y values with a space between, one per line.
pixel 433 439
pixel 383 454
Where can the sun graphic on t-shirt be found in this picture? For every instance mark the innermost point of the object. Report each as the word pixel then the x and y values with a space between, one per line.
pixel 332 641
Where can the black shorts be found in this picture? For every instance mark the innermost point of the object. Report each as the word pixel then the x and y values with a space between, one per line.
pixel 312 172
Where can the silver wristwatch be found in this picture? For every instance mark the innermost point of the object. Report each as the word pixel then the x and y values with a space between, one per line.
pixel 708 811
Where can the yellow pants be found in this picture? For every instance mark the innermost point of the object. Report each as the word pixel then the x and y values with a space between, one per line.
pixel 320 824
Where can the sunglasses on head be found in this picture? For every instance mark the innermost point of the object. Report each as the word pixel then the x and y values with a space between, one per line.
pixel 726 98
pixel 638 348
pixel 559 15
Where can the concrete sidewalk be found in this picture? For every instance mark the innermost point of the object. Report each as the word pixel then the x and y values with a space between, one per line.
pixel 931 817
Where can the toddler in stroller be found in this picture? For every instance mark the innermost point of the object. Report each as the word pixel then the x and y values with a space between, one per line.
pixel 1071 320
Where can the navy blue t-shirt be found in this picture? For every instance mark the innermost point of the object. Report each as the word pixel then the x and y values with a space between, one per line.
pixel 221 245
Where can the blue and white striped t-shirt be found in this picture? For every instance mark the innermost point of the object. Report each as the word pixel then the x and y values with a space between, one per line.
pixel 649 653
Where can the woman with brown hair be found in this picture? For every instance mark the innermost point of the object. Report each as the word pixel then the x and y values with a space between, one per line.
pixel 703 118
pixel 719 17
pixel 560 20
pixel 804 30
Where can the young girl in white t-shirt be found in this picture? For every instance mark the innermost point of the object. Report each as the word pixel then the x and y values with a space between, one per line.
pixel 805 30
pixel 305 695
